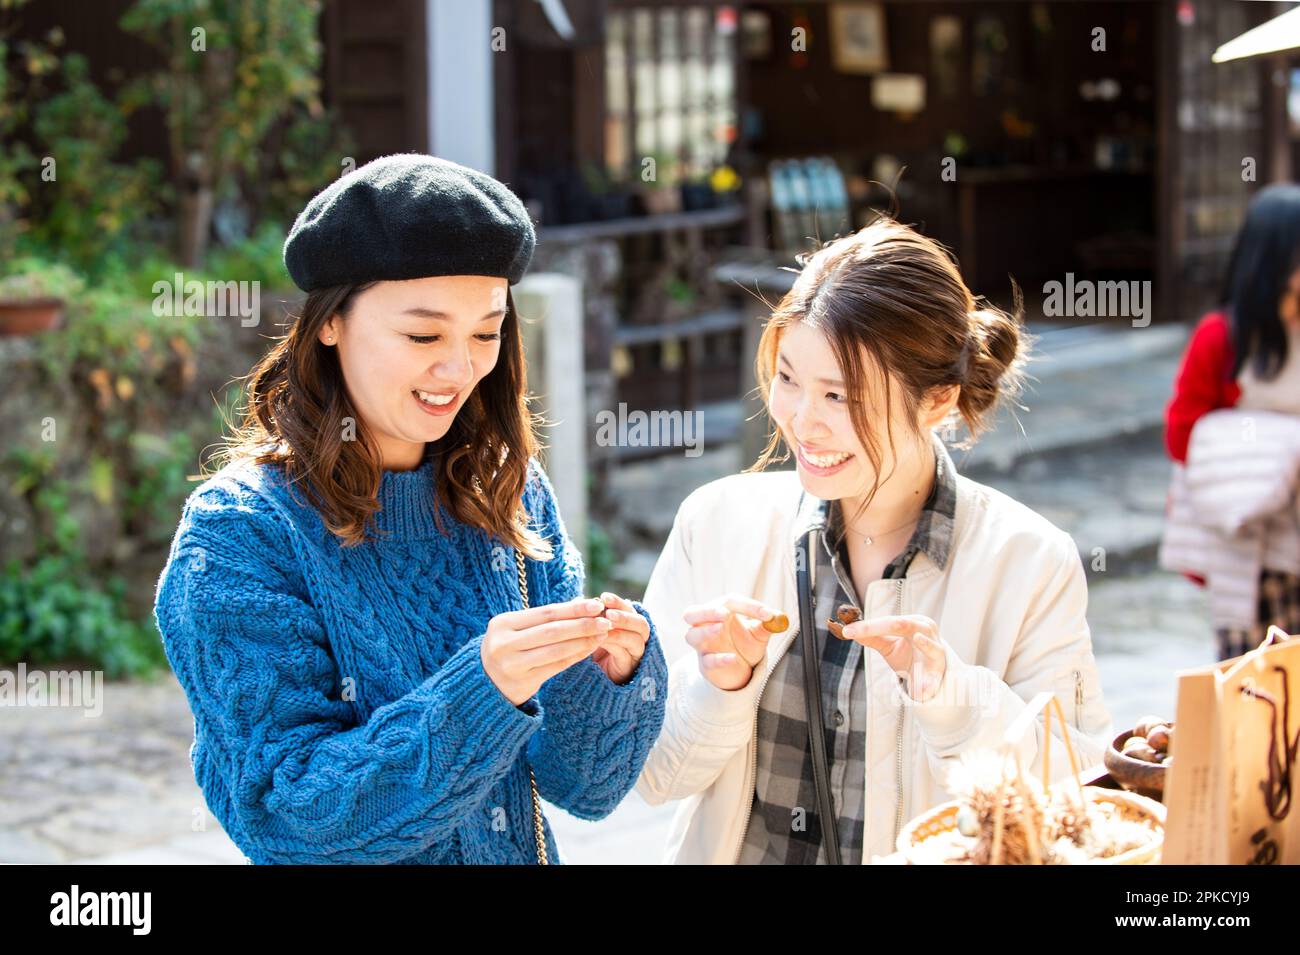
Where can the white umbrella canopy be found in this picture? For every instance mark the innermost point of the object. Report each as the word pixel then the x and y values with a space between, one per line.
pixel 1275 36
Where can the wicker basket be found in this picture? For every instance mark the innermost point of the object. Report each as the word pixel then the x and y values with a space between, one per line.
pixel 942 819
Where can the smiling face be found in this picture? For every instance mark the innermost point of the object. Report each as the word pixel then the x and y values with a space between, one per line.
pixel 877 343
pixel 808 399
pixel 412 353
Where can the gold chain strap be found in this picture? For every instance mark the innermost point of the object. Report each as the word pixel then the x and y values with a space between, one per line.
pixel 538 831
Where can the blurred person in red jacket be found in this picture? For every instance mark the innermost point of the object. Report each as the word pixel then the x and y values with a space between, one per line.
pixel 1245 355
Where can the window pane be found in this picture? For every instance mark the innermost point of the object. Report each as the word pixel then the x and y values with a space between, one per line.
pixel 669 39
pixel 643 24
pixel 721 80
pixel 670 128
pixel 615 66
pixel 645 138
pixel 646 98
pixel 697 23
pixel 697 83
pixel 670 85
pixel 682 61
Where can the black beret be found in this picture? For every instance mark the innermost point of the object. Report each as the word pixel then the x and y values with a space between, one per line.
pixel 409 216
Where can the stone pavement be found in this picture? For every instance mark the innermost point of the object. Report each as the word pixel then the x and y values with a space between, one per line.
pixel 79 787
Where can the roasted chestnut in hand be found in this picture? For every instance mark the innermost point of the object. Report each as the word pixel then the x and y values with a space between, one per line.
pixel 778 624
pixel 847 614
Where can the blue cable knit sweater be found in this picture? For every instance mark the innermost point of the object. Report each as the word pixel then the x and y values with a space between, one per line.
pixel 341 709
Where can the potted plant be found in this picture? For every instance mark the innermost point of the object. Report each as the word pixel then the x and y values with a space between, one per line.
pixel 697 191
pixel 697 194
pixel 32 299
pixel 659 192
pixel 725 183
pixel 608 199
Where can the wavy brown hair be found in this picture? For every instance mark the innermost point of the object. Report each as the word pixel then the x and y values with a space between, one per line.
pixel 889 296
pixel 297 412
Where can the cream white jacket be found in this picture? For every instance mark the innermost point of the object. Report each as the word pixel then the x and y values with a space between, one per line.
pixel 1011 611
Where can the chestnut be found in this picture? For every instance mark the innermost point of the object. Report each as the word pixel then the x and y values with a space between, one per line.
pixel 1147 724
pixel 1158 739
pixel 847 613
pixel 778 624
pixel 1142 752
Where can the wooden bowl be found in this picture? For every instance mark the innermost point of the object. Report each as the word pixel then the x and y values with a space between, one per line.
pixel 1135 775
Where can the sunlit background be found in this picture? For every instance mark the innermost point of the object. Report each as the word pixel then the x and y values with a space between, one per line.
pixel 675 156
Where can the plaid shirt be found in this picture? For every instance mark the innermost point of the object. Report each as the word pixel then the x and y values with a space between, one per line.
pixel 783 825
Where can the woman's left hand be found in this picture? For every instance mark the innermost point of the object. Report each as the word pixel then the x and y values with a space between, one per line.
pixel 910 645
pixel 621 650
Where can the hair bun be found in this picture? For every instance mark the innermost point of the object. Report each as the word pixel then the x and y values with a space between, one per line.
pixel 992 362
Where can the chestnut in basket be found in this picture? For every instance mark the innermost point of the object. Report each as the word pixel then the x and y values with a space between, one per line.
pixel 847 614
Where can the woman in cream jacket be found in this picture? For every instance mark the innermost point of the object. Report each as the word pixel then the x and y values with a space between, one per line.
pixel 971 603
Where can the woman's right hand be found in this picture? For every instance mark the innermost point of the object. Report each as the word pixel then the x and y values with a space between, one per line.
pixel 522 649
pixel 730 639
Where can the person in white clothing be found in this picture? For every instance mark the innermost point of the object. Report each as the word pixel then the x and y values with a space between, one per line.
pixel 970 603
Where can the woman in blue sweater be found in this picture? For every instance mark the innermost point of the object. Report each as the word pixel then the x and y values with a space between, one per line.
pixel 342 601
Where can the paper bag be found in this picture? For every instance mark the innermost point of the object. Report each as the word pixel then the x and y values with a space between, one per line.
pixel 1229 786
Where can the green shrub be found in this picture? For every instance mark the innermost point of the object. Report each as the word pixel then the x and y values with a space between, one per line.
pixel 230 80
pixel 32 277
pixel 93 203
pixel 138 435
pixel 55 612
pixel 61 608
pixel 259 258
